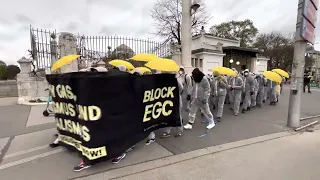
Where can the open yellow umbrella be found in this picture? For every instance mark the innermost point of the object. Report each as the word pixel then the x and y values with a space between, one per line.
pixel 224 71
pixel 161 64
pixel 144 57
pixel 65 60
pixel 272 76
pixel 143 69
pixel 281 72
pixel 119 62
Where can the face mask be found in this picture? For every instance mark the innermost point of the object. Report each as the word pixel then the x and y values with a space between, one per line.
pixel 246 74
pixel 180 72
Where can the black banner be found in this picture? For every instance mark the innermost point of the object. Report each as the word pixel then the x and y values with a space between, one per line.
pixel 102 114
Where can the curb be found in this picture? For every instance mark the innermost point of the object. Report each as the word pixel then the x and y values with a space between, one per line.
pixel 158 163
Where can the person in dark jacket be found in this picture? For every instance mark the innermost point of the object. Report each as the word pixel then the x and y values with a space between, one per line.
pixel 306 82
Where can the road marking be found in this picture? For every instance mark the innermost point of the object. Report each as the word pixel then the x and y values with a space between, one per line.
pixel 25 151
pixel 25 160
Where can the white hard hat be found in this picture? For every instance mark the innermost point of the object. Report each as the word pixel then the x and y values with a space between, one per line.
pixel 181 67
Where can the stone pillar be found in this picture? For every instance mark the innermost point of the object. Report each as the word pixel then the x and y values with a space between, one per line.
pixel 68 46
pixel 177 57
pixel 23 76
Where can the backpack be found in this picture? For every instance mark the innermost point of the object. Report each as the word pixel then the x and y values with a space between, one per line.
pixel 185 79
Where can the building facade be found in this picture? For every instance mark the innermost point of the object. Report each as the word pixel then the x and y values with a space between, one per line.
pixel 210 51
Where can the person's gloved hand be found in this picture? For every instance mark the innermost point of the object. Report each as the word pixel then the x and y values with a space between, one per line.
pixel 251 93
pixel 204 101
pixel 188 97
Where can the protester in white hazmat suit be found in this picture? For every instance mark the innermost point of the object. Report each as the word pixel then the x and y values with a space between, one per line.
pixel 261 86
pixel 186 81
pixel 219 87
pixel 248 89
pixel 255 91
pixel 235 87
pixel 200 96
pixel 167 130
pixel 271 87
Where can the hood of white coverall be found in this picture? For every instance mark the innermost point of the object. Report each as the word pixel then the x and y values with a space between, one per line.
pixel 122 68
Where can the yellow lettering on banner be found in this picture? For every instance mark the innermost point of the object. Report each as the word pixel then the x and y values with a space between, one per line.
pixel 85 134
pixel 64 108
pixel 146 97
pixel 74 128
pixel 89 113
pixel 155 94
pixel 90 153
pixel 64 92
pixel 157 109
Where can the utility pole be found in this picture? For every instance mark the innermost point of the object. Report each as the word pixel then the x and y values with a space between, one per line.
pixel 186 35
pixel 305 30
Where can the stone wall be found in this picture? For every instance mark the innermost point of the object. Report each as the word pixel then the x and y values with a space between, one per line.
pixel 8 88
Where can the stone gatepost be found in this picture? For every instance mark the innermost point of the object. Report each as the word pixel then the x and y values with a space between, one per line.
pixel 30 89
pixel 22 77
pixel 68 45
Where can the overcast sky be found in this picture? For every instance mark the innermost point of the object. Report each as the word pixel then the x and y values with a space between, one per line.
pixel 124 18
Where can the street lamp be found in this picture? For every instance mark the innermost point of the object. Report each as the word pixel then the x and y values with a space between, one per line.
pixel 231 61
pixel 238 62
pixel 194 7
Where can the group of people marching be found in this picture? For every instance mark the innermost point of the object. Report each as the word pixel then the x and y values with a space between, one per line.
pixel 209 94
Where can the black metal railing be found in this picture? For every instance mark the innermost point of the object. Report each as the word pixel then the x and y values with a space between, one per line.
pixel 93 48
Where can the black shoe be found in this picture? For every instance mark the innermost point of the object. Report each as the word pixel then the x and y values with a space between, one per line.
pixel 249 108
pixel 243 111
pixel 218 119
pixel 259 106
pixel 56 135
pixel 81 167
pixel 309 92
pixel 116 160
pixel 52 145
pixel 164 135
pixel 264 101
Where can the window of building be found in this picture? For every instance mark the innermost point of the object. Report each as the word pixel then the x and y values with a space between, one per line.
pixel 196 62
pixel 201 63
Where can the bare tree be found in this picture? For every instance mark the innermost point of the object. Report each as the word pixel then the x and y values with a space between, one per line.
pixel 279 48
pixel 167 15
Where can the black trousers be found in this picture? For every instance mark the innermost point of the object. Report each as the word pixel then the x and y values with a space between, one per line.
pixel 304 87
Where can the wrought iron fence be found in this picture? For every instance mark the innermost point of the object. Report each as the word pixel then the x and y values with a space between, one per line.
pixel 93 48
pixel 41 48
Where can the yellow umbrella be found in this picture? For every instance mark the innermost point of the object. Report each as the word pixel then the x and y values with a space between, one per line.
pixel 281 72
pixel 64 61
pixel 119 62
pixel 272 76
pixel 161 64
pixel 224 70
pixel 143 69
pixel 144 57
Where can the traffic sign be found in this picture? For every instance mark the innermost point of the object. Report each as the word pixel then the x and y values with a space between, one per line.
pixel 309 11
pixel 307 31
pixel 315 3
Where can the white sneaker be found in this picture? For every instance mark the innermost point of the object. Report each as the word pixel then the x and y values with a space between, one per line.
pixel 188 126
pixel 211 125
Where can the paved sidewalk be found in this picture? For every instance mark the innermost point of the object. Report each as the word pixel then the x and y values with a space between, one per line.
pixel 294 157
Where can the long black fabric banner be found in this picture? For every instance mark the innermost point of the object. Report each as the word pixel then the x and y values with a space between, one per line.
pixel 102 114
